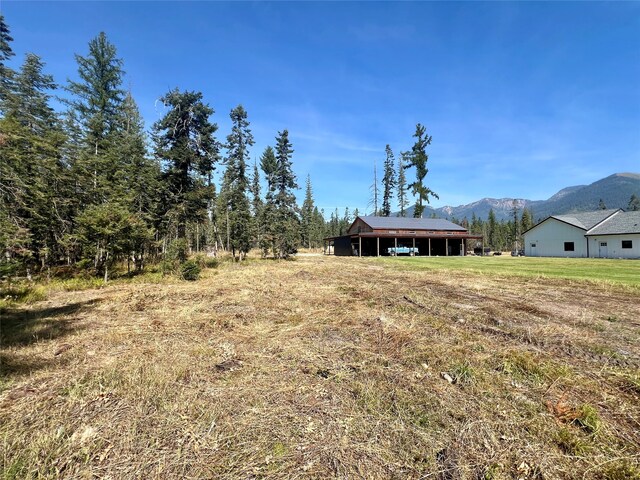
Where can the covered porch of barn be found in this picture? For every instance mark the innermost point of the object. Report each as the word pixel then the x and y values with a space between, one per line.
pixel 373 244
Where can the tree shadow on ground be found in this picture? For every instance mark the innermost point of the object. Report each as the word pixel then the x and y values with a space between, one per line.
pixel 22 327
pixel 14 365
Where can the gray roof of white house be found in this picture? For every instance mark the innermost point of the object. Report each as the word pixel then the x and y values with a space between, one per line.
pixel 620 223
pixel 585 220
pixel 403 223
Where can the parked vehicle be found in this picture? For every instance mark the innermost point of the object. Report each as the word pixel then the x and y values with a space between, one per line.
pixel 393 251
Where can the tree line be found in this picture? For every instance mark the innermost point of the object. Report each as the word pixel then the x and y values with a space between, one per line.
pixel 87 186
pixel 501 235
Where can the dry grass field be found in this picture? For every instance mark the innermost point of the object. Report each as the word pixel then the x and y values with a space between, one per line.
pixel 324 367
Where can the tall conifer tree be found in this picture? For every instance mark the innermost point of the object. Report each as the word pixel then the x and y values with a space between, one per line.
pixel 6 74
pixel 287 234
pixel 418 159
pixel 267 218
pixel 237 183
pixel 137 182
pixel 97 98
pixel 307 215
pixel 388 181
pixel 33 177
pixel 403 202
pixel 185 144
pixel 256 205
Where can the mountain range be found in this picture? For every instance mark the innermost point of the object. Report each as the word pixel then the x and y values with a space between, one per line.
pixel 614 190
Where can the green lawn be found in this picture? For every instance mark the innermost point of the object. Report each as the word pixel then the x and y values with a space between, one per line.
pixel 626 272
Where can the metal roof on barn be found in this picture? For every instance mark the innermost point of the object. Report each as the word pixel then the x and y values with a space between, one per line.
pixel 403 223
pixel 585 220
pixel 620 223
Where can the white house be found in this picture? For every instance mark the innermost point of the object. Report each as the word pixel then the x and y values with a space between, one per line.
pixel 599 234
pixel 618 236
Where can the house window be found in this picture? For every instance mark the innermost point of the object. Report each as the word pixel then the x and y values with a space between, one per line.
pixel 533 245
pixel 568 246
pixel 627 244
pixel 603 244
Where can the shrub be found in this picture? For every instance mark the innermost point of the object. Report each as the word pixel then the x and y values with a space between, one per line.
pixel 177 251
pixel 211 262
pixel 84 264
pixel 190 270
pixel 206 262
pixel 167 267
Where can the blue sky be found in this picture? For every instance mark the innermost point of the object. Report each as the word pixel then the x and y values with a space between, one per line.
pixel 522 99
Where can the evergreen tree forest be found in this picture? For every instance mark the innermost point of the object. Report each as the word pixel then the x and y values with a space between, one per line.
pixel 500 235
pixel 84 186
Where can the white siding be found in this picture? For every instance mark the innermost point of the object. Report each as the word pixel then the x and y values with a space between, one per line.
pixel 614 246
pixel 549 238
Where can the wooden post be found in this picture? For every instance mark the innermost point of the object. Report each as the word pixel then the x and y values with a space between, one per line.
pixel 446 247
pixel 378 246
pixel 395 244
pixel 414 247
pixel 462 247
pixel 429 246
pixel 359 246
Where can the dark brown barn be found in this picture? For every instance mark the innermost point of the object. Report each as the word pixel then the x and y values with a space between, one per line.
pixel 375 236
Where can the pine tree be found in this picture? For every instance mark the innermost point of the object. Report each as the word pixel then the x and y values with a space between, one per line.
pixel 403 202
pixel 514 224
pixel 97 99
pixel 267 219
pixel 136 184
pixel 345 223
pixel 318 228
pixel 419 159
pixel 287 224
pixel 6 74
pixel 634 203
pixel 237 183
pixel 601 205
pixel 526 221
pixel 475 227
pixel 256 205
pixel 388 181
pixel 492 230
pixel 33 178
pixel 185 143
pixel 109 232
pixel 307 215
